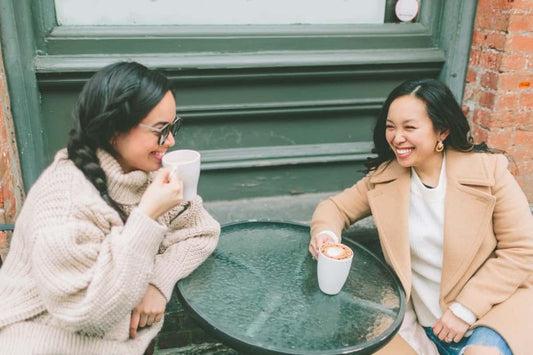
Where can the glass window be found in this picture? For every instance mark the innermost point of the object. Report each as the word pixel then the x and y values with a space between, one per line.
pixel 218 12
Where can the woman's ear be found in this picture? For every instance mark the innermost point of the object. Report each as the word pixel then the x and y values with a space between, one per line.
pixel 113 139
pixel 443 135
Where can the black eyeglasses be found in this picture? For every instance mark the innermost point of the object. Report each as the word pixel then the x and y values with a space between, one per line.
pixel 163 132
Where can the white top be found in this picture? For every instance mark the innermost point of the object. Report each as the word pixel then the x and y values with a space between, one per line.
pixel 426 225
pixel 426 236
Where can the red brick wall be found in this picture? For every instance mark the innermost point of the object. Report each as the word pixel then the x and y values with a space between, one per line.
pixel 11 188
pixel 499 85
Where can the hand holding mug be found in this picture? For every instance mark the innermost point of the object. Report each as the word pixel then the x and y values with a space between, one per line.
pixel 318 240
pixel 162 194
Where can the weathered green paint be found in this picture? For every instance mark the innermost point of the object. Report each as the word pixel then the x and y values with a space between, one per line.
pixel 455 37
pixel 44 21
pixel 262 103
pixel 234 39
pixel 283 180
pixel 18 49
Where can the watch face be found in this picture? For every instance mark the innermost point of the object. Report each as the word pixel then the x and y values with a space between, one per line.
pixel 406 10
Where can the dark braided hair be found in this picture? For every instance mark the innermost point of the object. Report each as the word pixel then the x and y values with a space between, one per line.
pixel 443 110
pixel 114 100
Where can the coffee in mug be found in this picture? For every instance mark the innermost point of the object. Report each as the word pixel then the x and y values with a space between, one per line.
pixel 336 251
pixel 185 163
pixel 334 262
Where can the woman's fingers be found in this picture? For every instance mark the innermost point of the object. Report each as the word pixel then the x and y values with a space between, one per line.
pixel 134 323
pixel 312 248
pixel 316 243
pixel 450 328
pixel 150 310
pixel 143 319
pixel 150 319
pixel 158 317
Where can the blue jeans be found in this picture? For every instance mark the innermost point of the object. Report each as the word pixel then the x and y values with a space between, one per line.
pixel 480 336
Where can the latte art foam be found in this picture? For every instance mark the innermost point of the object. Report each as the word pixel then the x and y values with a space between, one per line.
pixel 336 251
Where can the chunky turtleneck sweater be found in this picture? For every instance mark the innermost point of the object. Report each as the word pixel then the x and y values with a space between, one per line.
pixel 75 271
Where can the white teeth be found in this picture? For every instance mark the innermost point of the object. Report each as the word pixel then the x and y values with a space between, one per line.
pixel 403 151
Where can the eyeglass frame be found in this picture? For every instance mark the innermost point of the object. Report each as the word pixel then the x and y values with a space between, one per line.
pixel 177 122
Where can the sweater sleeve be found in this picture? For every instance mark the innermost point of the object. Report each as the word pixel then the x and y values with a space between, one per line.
pixel 192 238
pixel 512 264
pixel 88 278
pixel 340 211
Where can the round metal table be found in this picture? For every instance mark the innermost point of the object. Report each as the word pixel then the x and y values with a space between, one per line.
pixel 258 293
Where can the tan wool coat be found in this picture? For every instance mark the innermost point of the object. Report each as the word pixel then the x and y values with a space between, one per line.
pixel 488 237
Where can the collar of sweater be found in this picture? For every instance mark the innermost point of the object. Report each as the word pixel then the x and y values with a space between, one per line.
pixel 124 188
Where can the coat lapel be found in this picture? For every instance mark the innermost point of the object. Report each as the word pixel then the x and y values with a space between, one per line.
pixel 467 209
pixel 389 202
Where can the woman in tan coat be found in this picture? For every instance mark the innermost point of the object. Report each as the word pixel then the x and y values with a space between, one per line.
pixel 453 224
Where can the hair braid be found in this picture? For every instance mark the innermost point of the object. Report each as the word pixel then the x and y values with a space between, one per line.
pixel 85 158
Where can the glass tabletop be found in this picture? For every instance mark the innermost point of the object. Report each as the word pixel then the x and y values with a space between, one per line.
pixel 258 293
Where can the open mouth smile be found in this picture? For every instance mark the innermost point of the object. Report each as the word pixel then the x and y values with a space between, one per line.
pixel 402 152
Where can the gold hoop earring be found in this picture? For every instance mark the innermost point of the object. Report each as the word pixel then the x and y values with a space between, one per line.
pixel 439 147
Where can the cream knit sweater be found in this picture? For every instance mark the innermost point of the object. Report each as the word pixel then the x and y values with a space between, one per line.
pixel 75 271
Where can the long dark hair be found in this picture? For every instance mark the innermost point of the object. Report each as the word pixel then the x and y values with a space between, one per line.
pixel 443 110
pixel 114 100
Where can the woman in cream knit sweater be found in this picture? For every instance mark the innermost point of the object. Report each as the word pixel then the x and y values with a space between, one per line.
pixel 103 235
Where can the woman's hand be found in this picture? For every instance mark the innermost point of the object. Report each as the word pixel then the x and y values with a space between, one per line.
pixel 450 327
pixel 162 194
pixel 317 241
pixel 149 311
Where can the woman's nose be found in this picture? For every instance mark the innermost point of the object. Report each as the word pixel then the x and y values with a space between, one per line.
pixel 399 138
pixel 170 141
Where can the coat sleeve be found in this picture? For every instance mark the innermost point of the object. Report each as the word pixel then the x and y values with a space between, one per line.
pixel 192 237
pixel 89 277
pixel 512 262
pixel 338 212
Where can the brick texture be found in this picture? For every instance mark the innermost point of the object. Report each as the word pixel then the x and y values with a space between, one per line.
pixel 11 188
pixel 498 98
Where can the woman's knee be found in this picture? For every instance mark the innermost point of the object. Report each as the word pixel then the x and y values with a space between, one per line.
pixel 481 350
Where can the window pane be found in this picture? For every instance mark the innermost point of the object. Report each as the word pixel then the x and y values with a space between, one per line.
pixel 211 12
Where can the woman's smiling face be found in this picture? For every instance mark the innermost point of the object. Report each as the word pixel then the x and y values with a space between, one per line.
pixel 139 149
pixel 410 133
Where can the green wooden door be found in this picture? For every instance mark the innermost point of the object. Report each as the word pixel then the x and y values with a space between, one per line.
pixel 274 110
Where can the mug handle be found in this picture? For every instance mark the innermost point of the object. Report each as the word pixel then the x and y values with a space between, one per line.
pixel 173 171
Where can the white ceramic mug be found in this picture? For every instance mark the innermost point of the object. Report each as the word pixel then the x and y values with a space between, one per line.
pixel 334 262
pixel 186 163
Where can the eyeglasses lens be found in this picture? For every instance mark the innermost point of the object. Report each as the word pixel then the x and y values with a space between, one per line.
pixel 174 127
